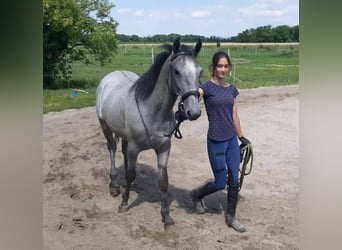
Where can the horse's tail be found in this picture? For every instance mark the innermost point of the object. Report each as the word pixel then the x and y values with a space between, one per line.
pixel 99 99
pixel 101 92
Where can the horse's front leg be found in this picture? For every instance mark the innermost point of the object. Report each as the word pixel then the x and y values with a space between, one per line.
pixel 163 157
pixel 130 152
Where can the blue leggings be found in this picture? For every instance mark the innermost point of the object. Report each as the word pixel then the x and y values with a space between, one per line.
pixel 224 156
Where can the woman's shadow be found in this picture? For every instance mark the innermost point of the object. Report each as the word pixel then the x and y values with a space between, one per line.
pixel 147 189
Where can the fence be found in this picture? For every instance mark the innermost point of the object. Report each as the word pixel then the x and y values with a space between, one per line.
pixel 241 53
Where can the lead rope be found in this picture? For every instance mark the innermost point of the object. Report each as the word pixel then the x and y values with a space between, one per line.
pixel 247 156
pixel 176 130
pixel 180 114
pixel 142 119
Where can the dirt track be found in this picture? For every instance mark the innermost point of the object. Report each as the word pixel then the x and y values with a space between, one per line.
pixel 79 213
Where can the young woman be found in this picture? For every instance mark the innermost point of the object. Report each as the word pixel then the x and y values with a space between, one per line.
pixel 222 138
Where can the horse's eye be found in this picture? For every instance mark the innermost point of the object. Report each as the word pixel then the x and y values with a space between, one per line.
pixel 177 72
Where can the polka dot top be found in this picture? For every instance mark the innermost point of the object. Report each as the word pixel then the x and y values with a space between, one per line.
pixel 219 103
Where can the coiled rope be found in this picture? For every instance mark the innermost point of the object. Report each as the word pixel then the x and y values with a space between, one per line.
pixel 246 152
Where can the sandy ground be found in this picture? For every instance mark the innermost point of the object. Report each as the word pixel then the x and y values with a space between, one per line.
pixel 79 213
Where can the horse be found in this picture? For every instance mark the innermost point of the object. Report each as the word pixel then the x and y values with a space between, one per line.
pixel 139 110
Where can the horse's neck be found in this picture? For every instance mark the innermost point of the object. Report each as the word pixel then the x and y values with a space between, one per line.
pixel 163 96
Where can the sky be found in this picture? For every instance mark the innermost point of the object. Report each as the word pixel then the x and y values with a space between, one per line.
pixel 221 18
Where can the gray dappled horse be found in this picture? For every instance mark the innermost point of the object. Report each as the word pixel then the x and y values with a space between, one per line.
pixel 140 111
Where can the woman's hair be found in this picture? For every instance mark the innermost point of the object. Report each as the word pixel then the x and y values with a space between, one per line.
pixel 216 57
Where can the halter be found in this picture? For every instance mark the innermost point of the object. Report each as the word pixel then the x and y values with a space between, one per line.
pixel 182 53
pixel 189 93
pixel 183 97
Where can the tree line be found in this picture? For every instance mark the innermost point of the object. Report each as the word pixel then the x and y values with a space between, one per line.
pixel 262 34
pixel 84 31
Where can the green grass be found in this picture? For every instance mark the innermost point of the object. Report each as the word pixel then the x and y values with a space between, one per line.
pixel 61 99
pixel 253 67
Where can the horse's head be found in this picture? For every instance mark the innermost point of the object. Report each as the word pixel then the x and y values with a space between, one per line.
pixel 185 73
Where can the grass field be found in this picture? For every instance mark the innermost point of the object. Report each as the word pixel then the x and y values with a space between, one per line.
pixel 254 66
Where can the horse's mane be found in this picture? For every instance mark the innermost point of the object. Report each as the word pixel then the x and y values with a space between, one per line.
pixel 144 86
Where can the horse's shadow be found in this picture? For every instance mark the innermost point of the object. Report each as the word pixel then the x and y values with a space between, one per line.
pixel 147 189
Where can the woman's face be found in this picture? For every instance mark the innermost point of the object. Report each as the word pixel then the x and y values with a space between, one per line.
pixel 222 68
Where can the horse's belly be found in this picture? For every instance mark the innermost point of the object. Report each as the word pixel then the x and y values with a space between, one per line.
pixel 112 99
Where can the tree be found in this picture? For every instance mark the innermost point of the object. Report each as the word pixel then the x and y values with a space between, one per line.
pixel 282 33
pixel 76 30
pixel 295 33
pixel 264 34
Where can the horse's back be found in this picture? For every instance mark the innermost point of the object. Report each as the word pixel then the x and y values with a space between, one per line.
pixel 113 91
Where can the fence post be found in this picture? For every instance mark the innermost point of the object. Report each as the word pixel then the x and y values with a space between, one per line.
pixel 152 52
pixel 228 52
pixel 234 69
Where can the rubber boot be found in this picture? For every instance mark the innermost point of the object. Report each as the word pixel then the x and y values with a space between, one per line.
pixel 198 194
pixel 231 220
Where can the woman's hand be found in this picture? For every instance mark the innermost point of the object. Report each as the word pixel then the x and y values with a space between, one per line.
pixel 244 140
pixel 200 93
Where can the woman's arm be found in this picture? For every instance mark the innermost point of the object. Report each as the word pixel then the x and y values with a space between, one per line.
pixel 236 120
pixel 201 93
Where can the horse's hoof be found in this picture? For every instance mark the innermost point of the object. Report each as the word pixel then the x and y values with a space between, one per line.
pixel 114 190
pixel 123 208
pixel 168 222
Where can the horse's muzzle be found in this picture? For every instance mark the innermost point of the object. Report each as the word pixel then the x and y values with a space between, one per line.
pixel 190 105
pixel 193 115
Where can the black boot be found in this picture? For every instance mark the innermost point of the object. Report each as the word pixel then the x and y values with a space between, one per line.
pixel 198 194
pixel 231 220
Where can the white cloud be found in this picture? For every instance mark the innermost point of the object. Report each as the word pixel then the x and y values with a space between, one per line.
pixel 212 21
pixel 261 10
pixel 269 13
pixel 178 14
pixel 203 19
pixel 124 10
pixel 138 13
pixel 200 14
pixel 277 1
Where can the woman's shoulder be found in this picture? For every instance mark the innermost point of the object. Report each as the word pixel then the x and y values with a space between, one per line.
pixel 206 88
pixel 232 85
pixel 206 84
pixel 234 89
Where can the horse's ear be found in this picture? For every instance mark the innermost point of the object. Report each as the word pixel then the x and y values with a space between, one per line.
pixel 176 45
pixel 198 47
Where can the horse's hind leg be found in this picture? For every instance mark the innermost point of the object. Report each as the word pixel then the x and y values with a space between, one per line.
pixel 114 187
pixel 162 157
pixel 130 152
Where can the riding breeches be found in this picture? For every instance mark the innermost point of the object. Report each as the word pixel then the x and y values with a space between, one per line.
pixel 224 157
